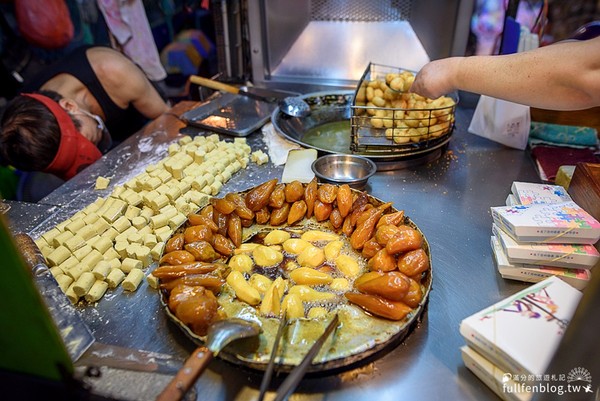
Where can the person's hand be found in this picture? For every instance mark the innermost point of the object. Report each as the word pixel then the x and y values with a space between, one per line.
pixel 435 78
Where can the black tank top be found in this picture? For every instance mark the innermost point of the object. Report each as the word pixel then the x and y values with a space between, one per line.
pixel 120 122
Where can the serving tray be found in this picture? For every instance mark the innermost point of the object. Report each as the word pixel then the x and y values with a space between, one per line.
pixel 358 337
pixel 230 114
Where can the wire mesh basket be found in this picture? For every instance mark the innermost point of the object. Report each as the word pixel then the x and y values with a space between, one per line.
pixel 386 119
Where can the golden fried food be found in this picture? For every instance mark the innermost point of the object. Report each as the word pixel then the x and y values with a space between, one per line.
pixel 364 254
pixel 405 117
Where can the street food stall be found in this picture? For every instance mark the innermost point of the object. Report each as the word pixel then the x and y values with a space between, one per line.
pixel 126 243
pixel 447 198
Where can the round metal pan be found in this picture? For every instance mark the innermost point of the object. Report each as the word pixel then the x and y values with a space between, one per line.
pixel 335 106
pixel 360 337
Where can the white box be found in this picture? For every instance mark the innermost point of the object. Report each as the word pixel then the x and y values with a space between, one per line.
pixel 520 334
pixel 578 278
pixel 559 223
pixel 528 193
pixel 493 377
pixel 571 256
pixel 511 200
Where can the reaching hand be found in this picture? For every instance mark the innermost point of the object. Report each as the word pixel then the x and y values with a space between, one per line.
pixel 436 78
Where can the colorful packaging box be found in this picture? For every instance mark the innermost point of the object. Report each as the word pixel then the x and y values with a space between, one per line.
pixel 570 256
pixel 520 334
pixel 578 278
pixel 559 223
pixel 528 193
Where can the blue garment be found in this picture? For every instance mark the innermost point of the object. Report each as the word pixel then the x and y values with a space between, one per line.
pixel 564 134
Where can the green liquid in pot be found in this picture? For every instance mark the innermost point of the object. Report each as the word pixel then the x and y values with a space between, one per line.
pixel 333 136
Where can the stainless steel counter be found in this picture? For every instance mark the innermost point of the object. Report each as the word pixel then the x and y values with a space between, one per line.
pixel 449 199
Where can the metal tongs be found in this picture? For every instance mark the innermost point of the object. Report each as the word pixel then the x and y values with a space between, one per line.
pixel 293 379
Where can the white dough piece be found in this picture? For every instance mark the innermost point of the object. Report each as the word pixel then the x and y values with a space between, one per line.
pixel 115 277
pixel 76 271
pixel 75 225
pixel 153 281
pixel 100 226
pixel 96 291
pixel 101 183
pixel 110 254
pixel 58 256
pixel 129 264
pixel 177 220
pixel 121 224
pixel 82 252
pixel 102 245
pixel 64 281
pixel 56 271
pixel 49 235
pixel 71 294
pixel 91 218
pixel 115 263
pixel 87 232
pixel 84 283
pixel 69 263
pixel 92 258
pixel 157 250
pixel 133 280
pixel 101 270
pixel 61 238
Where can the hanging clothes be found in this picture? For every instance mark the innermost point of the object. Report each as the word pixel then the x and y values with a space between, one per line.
pixel 128 23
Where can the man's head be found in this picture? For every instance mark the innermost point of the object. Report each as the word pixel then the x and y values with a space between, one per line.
pixel 38 134
pixel 30 134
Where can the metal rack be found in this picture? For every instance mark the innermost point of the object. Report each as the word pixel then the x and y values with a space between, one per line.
pixel 394 122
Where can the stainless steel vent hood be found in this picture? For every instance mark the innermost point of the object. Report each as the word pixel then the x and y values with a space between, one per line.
pixel 331 42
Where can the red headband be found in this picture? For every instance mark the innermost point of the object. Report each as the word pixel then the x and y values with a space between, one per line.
pixel 75 152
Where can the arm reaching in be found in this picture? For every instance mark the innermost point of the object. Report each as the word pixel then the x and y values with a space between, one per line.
pixel 126 83
pixel 562 76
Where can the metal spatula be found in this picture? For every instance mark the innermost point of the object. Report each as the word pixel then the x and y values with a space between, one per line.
pixel 220 334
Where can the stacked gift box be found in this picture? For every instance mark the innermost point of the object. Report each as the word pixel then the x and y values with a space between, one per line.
pixel 541 232
pixel 511 343
pixel 541 236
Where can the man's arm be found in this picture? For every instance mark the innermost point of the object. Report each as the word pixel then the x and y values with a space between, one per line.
pixel 126 83
pixel 562 76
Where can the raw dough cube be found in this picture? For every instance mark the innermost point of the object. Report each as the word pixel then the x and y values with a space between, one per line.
pixel 74 243
pixel 87 232
pixel 102 183
pixel 63 237
pixel 185 140
pixel 115 277
pixel 58 256
pixel 152 281
pixel 82 252
pixel 128 264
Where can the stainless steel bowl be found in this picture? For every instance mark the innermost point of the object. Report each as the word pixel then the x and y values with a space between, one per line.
pixel 344 169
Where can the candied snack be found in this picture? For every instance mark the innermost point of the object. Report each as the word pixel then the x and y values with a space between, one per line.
pixel 305 251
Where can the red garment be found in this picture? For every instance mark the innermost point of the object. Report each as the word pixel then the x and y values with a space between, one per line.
pixel 550 158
